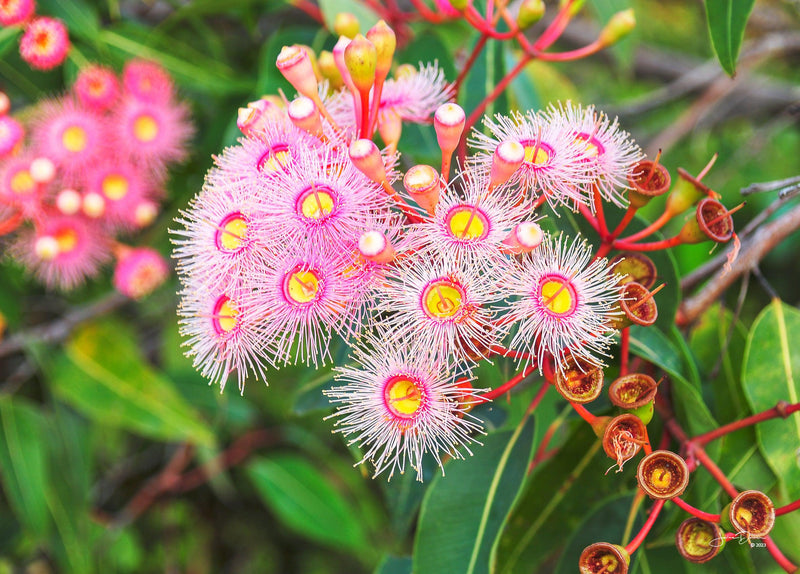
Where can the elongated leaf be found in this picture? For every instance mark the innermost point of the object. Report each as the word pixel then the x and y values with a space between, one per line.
pixel 726 23
pixel 304 500
pixel 23 463
pixel 464 511
pixel 394 565
pixel 771 373
pixel 79 16
pixel 103 375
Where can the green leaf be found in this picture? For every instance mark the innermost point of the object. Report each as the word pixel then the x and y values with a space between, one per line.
pixel 103 375
pixel 305 501
pixel 395 565
pixel 80 17
pixel 771 373
pixel 726 23
pixel 23 463
pixel 464 512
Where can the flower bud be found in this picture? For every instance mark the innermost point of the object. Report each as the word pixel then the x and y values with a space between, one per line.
pixel 634 266
pixel 304 114
pixel 145 213
pixel 580 383
pixel 623 437
pixel 698 540
pixel 374 246
pixel 685 194
pixel 346 24
pixel 508 156
pixel 390 126
pixel 385 42
pixel 329 70
pixel 647 180
pixel 530 12
pixel 752 513
pixel 361 57
pixel 604 558
pixel 5 104
pixel 662 474
pixel 252 119
pixel 405 71
pixel 46 248
pixel 68 201
pixel 338 58
pixel 94 205
pixel 711 221
pixel 295 65
pixel 459 4
pixel 524 238
pixel 621 24
pixel 366 156
pixel 448 121
pixel 42 170
pixel 423 185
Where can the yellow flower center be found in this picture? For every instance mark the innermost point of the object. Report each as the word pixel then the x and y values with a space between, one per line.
pixel 442 299
pixel 225 315
pixel 275 159
pixel 317 202
pixel 403 396
pixel 301 286
pixel 145 128
pixel 558 296
pixel 74 139
pixel 536 153
pixel 115 186
pixel 67 240
pixel 22 182
pixel 231 233
pixel 468 223
pixel 593 148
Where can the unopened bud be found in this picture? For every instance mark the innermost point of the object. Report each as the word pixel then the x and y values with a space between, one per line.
pixel 621 24
pixel 686 193
pixel 366 156
pixel 448 121
pixel 346 24
pixel 94 205
pixel 5 104
pixel 385 42
pixel 252 119
pixel 68 201
pixel 338 58
pixel 295 65
pixel 304 114
pixel 375 247
pixel 422 184
pixel 404 71
pixel 42 170
pixel 390 126
pixel 145 213
pixel 46 248
pixel 361 57
pixel 329 71
pixel 524 238
pixel 574 7
pixel 508 156
pixel 459 4
pixel 530 12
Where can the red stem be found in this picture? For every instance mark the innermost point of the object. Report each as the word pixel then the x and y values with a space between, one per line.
pixel 652 228
pixel 11 224
pixel 776 553
pixel 577 54
pixel 585 414
pixel 696 512
pixel 791 507
pixel 507 386
pixel 500 350
pixel 427 13
pixel 654 246
pixel 651 519
pixel 587 215
pixel 411 215
pixel 782 409
pixel 597 201
pixel 555 29
pixel 626 219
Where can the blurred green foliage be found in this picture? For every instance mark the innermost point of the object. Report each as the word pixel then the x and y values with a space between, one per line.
pixel 85 427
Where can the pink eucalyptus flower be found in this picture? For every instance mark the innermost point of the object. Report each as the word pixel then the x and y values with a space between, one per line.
pixel 45 43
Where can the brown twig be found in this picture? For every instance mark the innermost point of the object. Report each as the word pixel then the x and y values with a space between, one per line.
pixel 756 247
pixel 60 329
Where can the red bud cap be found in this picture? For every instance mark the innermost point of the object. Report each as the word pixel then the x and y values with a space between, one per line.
pixel 366 156
pixel 361 58
pixel 295 65
pixel 525 237
pixel 385 42
pixel 423 185
pixel 304 114
pixel 346 24
pixel 375 247
pixel 449 121
pixel 508 156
